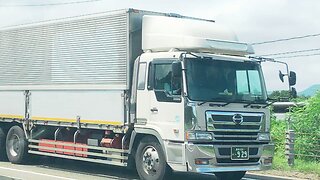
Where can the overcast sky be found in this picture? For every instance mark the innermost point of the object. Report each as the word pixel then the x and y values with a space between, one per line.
pixel 253 21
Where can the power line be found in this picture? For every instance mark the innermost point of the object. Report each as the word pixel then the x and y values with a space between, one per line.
pixel 286 39
pixel 48 4
pixel 303 55
pixel 291 52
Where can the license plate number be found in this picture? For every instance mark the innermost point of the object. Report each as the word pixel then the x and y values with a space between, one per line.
pixel 239 153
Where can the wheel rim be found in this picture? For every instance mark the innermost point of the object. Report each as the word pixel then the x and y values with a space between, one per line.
pixel 14 145
pixel 150 160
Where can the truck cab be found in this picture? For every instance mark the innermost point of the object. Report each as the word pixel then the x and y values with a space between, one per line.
pixel 203 99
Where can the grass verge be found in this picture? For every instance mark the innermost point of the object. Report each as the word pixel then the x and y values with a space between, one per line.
pixel 280 163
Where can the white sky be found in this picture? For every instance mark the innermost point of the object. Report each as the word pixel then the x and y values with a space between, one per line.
pixel 252 20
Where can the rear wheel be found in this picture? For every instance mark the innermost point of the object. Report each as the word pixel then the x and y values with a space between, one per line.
pixel 3 154
pixel 150 160
pixel 16 145
pixel 237 175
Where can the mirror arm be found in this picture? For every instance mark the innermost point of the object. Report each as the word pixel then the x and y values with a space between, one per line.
pixel 287 68
pixel 262 59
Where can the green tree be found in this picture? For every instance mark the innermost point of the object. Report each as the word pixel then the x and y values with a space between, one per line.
pixel 306 123
pixel 282 95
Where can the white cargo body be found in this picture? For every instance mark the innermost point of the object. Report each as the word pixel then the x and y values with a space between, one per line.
pixel 90 52
pixel 70 66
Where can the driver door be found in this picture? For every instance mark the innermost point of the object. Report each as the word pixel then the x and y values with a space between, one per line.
pixel 166 103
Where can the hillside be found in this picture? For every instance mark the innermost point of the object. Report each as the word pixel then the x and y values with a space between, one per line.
pixel 310 91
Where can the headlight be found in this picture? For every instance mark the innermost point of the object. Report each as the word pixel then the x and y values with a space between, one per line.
pixel 264 123
pixel 264 137
pixel 199 136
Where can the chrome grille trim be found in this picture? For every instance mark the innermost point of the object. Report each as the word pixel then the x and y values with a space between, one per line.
pixel 232 123
pixel 224 129
pixel 236 130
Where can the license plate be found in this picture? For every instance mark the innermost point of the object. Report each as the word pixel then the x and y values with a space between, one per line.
pixel 239 153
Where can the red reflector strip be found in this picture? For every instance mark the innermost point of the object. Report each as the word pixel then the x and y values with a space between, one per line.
pixel 44 144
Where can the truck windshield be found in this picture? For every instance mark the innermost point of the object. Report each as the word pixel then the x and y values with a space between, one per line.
pixel 224 81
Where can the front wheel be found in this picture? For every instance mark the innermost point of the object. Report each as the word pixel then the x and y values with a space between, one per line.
pixel 16 145
pixel 150 160
pixel 230 175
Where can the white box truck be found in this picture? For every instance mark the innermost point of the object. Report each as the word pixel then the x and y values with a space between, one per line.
pixel 153 91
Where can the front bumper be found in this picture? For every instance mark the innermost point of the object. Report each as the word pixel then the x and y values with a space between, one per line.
pixel 219 158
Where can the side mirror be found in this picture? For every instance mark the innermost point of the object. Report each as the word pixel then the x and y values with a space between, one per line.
pixel 293 92
pixel 292 78
pixel 281 76
pixel 176 69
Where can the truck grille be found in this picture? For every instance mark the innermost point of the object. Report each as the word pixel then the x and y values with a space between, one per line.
pixel 234 126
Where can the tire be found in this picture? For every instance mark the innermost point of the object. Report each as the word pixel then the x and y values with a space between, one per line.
pixel 3 154
pixel 150 160
pixel 237 175
pixel 17 145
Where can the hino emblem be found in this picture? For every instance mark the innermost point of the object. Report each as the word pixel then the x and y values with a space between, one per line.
pixel 237 119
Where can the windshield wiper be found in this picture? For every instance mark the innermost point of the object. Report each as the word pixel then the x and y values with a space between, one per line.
pixel 250 103
pixel 252 106
pixel 202 103
pixel 220 104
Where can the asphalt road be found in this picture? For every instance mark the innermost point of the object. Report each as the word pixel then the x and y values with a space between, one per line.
pixel 46 168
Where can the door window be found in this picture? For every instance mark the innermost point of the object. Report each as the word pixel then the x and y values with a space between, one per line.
pixel 166 88
pixel 162 74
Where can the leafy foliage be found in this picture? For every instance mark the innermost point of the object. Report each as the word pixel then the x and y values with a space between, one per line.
pixel 306 123
pixel 278 130
pixel 280 95
pixel 284 96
